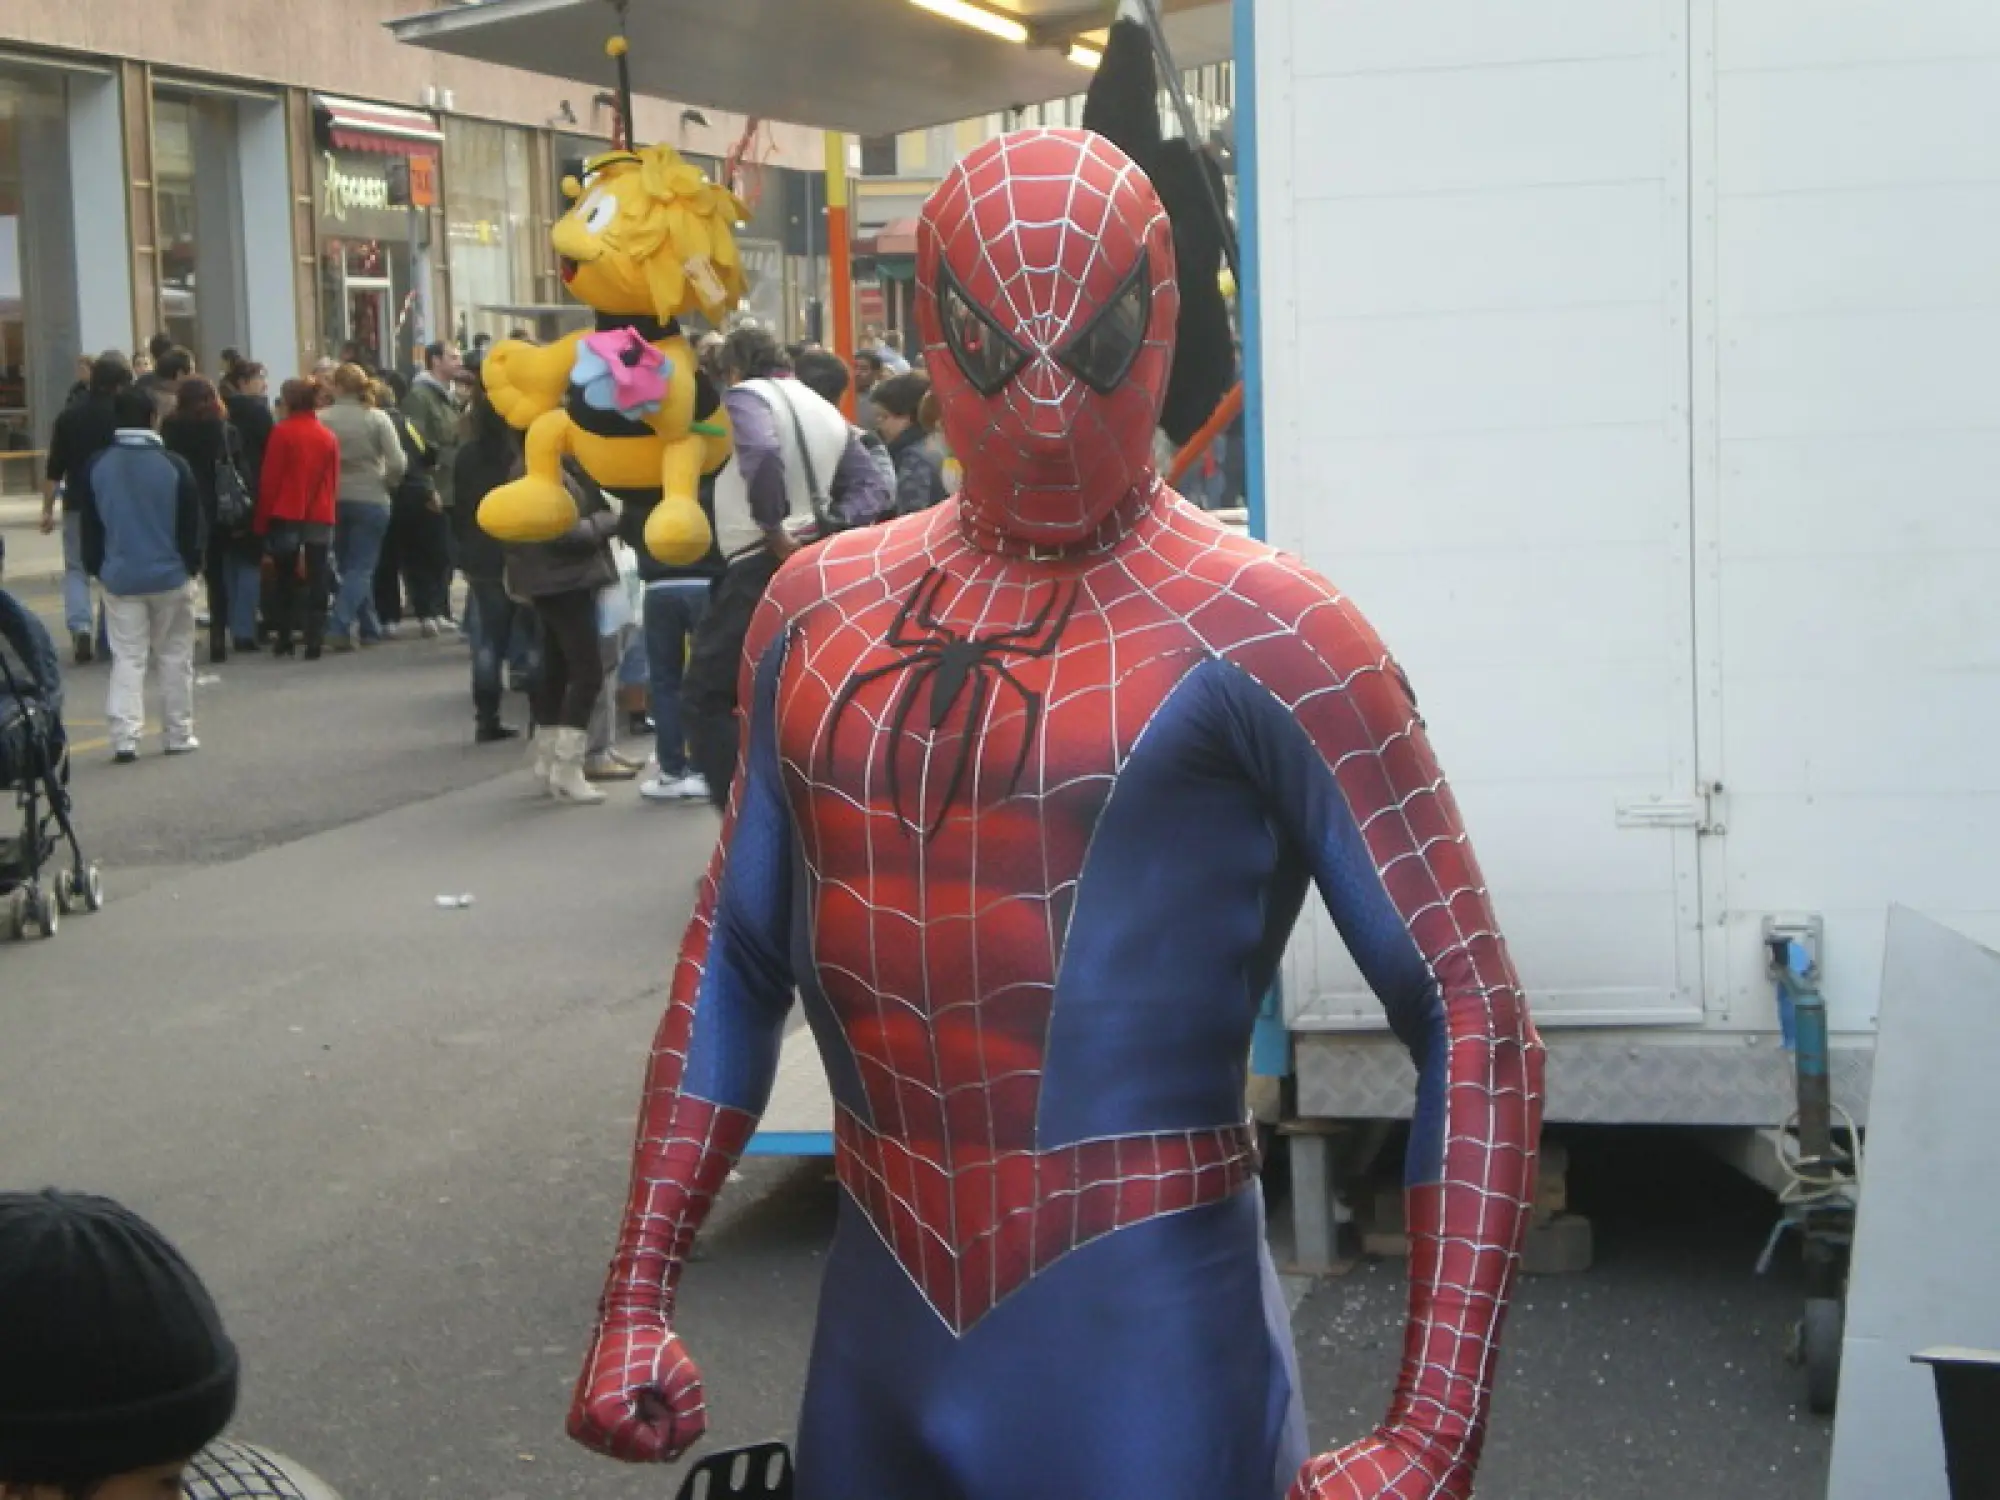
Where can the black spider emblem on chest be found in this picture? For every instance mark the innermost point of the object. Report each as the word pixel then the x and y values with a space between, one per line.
pixel 950 665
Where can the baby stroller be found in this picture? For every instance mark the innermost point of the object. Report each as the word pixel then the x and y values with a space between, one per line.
pixel 34 766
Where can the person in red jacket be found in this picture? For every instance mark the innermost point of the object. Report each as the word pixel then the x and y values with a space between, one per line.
pixel 295 511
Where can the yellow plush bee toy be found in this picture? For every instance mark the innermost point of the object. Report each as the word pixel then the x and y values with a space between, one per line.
pixel 648 239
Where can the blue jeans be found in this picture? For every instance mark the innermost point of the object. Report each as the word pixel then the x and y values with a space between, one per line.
pixel 76 582
pixel 358 530
pixel 673 608
pixel 492 622
pixel 246 584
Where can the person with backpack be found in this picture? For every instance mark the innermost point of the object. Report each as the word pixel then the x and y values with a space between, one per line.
pixel 142 540
pixel 413 564
pixel 797 470
pixel 296 512
pixel 823 374
pixel 199 430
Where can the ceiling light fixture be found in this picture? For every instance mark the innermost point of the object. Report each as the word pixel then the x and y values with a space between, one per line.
pixel 1084 57
pixel 977 17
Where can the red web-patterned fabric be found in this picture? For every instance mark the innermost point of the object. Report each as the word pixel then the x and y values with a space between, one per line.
pixel 981 1228
pixel 1042 228
pixel 940 958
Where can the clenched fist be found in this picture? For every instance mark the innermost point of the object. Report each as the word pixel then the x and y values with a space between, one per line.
pixel 639 1398
pixel 1379 1468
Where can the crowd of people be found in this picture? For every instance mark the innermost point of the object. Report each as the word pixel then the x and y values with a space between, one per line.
pixel 341 510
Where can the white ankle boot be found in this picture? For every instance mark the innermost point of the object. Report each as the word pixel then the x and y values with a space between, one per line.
pixel 566 778
pixel 542 756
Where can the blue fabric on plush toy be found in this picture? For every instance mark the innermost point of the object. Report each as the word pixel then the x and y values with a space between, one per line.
pixel 617 370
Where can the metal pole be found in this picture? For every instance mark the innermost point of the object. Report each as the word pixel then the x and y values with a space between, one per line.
pixel 815 315
pixel 1156 28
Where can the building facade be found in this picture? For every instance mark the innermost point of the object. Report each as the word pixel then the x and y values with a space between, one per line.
pixel 896 173
pixel 289 182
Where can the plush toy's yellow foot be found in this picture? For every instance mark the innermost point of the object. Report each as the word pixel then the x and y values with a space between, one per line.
pixel 677 532
pixel 528 510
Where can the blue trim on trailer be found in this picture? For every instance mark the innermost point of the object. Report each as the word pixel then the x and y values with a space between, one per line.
pixel 1249 302
pixel 790 1143
pixel 1270 1042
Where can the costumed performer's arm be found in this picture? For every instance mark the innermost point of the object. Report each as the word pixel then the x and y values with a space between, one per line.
pixel 714 1057
pixel 1331 732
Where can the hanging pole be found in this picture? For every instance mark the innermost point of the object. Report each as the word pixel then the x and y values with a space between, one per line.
pixel 1163 56
pixel 617 48
pixel 840 270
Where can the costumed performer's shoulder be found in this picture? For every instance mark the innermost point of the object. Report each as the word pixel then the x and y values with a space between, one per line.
pixel 1288 626
pixel 854 569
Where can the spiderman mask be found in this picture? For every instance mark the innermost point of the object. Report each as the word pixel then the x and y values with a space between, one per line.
pixel 1046 300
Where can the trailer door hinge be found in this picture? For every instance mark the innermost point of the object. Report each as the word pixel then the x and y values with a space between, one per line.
pixel 1705 812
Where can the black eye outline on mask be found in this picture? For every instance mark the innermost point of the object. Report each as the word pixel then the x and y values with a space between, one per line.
pixel 1102 355
pixel 987 354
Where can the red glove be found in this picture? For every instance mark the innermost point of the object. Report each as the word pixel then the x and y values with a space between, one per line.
pixel 639 1398
pixel 1375 1468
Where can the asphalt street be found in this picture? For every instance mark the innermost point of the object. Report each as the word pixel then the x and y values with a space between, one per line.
pixel 394 1136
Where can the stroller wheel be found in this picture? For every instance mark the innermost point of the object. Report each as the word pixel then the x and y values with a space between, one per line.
pixel 38 911
pixel 17 913
pixel 93 888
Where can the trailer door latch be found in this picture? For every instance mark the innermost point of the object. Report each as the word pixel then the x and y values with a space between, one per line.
pixel 1707 811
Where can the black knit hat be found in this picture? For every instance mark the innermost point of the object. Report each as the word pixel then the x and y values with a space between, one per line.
pixel 112 1357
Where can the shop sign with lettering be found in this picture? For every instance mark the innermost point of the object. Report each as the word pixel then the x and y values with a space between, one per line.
pixel 345 188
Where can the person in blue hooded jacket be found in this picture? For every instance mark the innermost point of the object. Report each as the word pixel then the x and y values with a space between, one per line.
pixel 142 540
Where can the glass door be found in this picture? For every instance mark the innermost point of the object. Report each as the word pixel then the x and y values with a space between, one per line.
pixel 371 320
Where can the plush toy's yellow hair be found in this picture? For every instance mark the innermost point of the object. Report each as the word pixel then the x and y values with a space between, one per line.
pixel 681 229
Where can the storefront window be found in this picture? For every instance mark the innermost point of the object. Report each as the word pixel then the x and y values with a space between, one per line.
pixel 198 203
pixel 366 311
pixel 488 227
pixel 31 106
pixel 174 148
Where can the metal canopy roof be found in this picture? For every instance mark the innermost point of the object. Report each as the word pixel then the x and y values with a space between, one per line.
pixel 868 67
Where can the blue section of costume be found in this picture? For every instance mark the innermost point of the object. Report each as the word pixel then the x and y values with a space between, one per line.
pixel 733 1052
pixel 1166 958
pixel 1147 1363
pixel 1295 777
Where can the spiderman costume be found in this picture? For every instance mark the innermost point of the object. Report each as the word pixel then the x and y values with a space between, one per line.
pixel 1032 789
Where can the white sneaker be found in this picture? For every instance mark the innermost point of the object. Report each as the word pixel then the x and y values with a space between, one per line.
pixel 692 787
pixel 429 629
pixel 186 747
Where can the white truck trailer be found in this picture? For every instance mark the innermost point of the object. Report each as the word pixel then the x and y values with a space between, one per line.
pixel 1630 363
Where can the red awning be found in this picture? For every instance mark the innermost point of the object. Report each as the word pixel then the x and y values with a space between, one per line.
pixel 897 237
pixel 354 125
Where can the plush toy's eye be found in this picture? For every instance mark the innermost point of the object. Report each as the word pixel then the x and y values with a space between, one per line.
pixel 598 210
